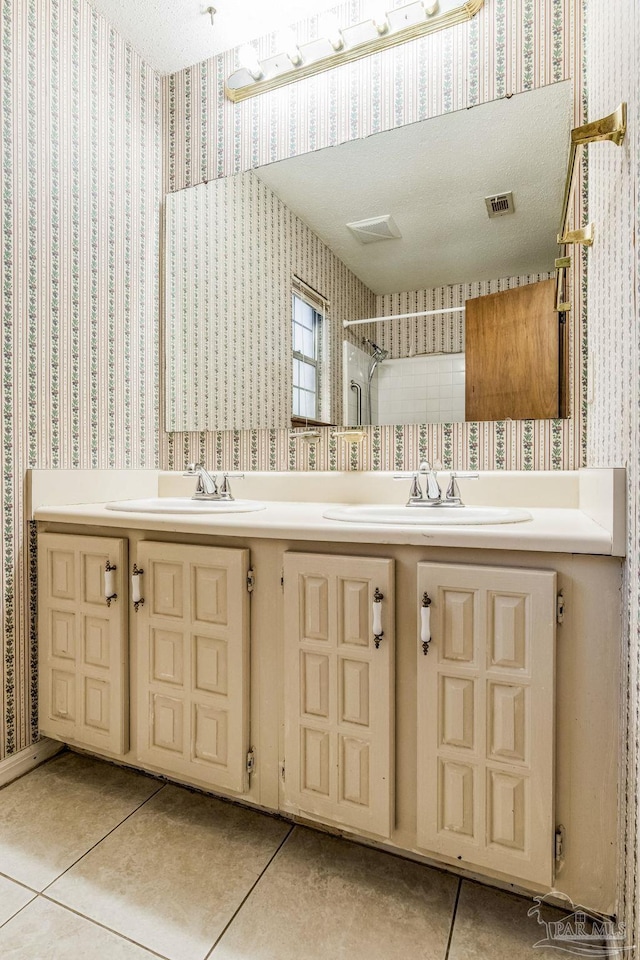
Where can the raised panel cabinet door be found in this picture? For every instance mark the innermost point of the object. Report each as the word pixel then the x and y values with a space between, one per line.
pixel 193 662
pixel 486 737
pixel 83 650
pixel 339 705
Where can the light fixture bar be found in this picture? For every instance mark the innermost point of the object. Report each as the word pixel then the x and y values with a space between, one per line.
pixel 280 71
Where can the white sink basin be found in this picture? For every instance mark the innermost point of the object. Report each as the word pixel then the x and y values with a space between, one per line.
pixel 185 505
pixel 427 516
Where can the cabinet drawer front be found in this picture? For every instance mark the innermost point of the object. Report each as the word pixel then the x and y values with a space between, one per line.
pixel 339 717
pixel 83 653
pixel 486 718
pixel 193 662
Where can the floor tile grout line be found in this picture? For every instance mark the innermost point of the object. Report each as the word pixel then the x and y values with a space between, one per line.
pixel 103 926
pixel 98 842
pixel 20 883
pixel 23 907
pixel 250 891
pixel 453 918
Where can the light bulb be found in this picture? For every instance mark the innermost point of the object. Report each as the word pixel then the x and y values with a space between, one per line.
pixel 329 27
pixel 431 8
pixel 379 16
pixel 248 58
pixel 287 41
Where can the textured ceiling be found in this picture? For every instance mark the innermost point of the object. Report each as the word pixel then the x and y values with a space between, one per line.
pixel 432 177
pixel 170 36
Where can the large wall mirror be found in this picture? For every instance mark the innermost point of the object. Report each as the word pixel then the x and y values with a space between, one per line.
pixel 447 225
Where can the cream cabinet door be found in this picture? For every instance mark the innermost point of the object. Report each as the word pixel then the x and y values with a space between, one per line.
pixel 339 716
pixel 82 641
pixel 193 662
pixel 486 718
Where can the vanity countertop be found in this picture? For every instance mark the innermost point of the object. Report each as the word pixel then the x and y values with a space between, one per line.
pixel 555 530
pixel 581 511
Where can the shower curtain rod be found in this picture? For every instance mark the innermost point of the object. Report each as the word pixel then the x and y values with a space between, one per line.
pixel 405 316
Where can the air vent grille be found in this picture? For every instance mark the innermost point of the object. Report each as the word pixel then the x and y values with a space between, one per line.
pixel 500 205
pixel 375 229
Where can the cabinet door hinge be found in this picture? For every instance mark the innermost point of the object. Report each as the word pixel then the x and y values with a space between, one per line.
pixel 251 580
pixel 282 580
pixel 251 761
pixel 559 839
pixel 560 607
pixel 282 774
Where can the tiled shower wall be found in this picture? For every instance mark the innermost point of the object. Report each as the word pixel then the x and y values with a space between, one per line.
pixel 613 65
pixel 507 48
pixel 79 195
pixel 416 389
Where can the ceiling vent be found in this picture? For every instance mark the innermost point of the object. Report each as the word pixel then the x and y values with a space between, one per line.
pixel 500 205
pixel 375 229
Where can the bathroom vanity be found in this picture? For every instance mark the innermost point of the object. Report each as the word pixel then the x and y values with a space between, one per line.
pixel 447 692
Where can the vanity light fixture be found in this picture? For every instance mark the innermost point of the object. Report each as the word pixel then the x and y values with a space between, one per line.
pixel 335 45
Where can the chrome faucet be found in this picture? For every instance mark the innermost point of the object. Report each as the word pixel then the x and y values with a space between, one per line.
pixel 207 485
pixel 432 496
pixel 433 493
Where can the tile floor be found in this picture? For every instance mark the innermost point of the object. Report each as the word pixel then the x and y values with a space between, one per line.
pixel 102 863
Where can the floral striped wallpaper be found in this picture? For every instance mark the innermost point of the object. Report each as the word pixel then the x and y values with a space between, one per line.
pixel 79 193
pixel 613 435
pixel 507 48
pixel 231 249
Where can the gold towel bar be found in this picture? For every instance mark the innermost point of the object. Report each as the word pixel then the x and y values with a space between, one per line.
pixel 611 128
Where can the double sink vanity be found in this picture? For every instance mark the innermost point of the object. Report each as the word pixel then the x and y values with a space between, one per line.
pixel 353 651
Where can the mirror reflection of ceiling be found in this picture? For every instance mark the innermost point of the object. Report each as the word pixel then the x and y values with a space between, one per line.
pixel 432 178
pixel 171 36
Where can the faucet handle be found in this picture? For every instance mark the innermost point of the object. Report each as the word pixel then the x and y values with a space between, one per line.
pixel 225 486
pixel 453 491
pixel 415 493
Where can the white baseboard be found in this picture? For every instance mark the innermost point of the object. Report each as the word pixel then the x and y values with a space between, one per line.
pixel 19 763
